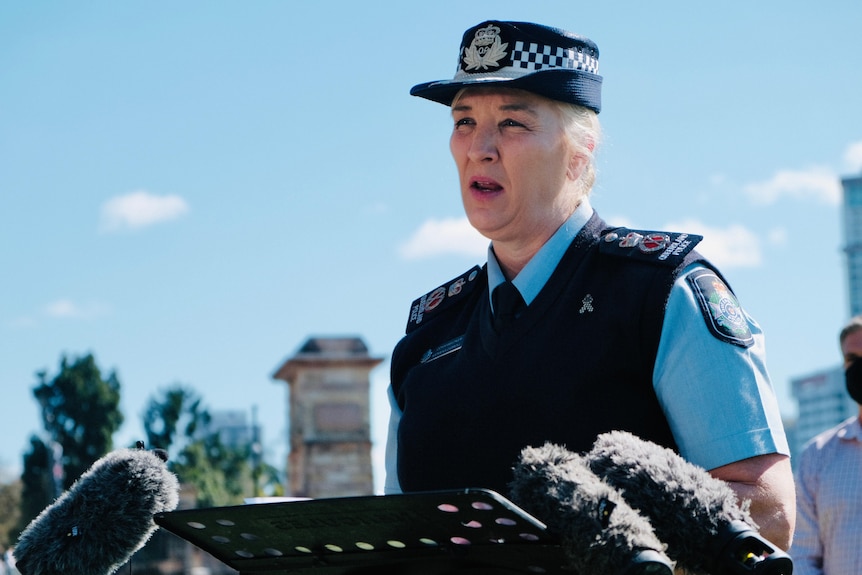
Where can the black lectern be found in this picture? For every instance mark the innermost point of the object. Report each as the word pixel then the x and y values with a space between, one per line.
pixel 442 532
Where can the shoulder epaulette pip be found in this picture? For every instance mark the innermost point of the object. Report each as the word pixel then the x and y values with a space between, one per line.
pixel 438 299
pixel 666 248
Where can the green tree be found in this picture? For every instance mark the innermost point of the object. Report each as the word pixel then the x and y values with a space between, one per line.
pixel 178 406
pixel 38 482
pixel 10 503
pixel 81 412
pixel 221 474
pixel 177 421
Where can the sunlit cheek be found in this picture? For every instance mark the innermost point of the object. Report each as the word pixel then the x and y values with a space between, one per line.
pixel 459 153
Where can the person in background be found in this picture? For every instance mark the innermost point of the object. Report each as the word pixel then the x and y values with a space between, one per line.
pixel 573 327
pixel 829 482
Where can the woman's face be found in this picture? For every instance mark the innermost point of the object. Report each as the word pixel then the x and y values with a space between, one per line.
pixel 515 163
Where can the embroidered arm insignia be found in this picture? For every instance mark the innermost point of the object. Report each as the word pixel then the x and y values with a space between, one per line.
pixel 721 310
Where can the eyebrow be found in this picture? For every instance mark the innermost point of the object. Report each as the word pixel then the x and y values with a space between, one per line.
pixel 516 107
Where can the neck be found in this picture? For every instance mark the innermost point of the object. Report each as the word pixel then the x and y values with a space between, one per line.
pixel 512 258
pixel 515 253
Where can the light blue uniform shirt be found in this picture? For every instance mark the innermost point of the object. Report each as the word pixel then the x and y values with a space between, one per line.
pixel 716 396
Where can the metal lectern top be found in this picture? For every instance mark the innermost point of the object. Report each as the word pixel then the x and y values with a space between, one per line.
pixel 441 532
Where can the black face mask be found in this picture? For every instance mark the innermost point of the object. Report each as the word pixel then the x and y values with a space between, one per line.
pixel 853 377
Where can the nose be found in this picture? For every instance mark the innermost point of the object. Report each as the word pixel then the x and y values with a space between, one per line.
pixel 483 146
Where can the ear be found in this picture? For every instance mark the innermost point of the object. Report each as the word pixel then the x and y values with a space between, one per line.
pixel 576 167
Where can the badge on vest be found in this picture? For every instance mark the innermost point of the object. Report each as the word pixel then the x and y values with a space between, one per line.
pixel 443 350
pixel 721 310
pixel 439 299
pixel 660 247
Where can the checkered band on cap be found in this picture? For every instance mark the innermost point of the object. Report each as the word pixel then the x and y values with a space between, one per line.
pixel 533 57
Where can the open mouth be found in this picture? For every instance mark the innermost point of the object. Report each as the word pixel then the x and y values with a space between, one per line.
pixel 485 186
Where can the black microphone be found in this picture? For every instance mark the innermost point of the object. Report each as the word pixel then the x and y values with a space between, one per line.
pixel 600 533
pixel 107 515
pixel 697 515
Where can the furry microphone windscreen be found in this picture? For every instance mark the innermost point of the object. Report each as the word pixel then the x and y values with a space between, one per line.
pixel 600 533
pixel 697 515
pixel 107 515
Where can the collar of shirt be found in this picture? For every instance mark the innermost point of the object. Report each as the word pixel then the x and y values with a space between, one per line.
pixel 535 274
pixel 852 431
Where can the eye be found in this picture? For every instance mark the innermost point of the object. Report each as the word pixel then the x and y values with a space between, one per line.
pixel 464 122
pixel 510 123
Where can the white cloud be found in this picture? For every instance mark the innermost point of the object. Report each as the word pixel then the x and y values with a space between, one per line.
pixel 376 209
pixel 62 308
pixel 728 247
pixel 733 246
pixel 446 236
pixel 817 183
pixel 140 209
pixel 67 309
pixel 717 179
pixel 853 157
pixel 619 221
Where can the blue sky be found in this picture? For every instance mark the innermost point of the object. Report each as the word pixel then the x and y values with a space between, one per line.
pixel 190 190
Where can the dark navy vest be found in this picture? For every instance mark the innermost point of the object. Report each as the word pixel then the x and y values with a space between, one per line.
pixel 578 362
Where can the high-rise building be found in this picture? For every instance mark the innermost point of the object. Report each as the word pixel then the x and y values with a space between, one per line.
pixel 822 396
pixel 234 429
pixel 852 220
pixel 823 403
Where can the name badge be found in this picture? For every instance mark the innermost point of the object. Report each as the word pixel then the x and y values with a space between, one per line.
pixel 443 350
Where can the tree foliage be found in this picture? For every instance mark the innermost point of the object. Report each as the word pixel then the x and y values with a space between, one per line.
pixel 220 474
pixel 80 414
pixel 178 406
pixel 38 487
pixel 10 501
pixel 80 411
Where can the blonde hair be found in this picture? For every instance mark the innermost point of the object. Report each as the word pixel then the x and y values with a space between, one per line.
pixel 584 132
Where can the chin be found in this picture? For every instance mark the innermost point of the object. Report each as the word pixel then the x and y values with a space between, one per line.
pixel 485 223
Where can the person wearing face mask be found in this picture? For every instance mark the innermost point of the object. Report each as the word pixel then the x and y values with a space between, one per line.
pixel 828 537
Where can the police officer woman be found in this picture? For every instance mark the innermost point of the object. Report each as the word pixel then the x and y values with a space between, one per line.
pixel 573 327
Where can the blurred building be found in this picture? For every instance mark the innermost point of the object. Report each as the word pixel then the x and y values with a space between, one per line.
pixel 823 403
pixel 233 428
pixel 822 396
pixel 330 422
pixel 852 227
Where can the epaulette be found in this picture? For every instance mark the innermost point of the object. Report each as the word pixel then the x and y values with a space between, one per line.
pixel 668 248
pixel 433 302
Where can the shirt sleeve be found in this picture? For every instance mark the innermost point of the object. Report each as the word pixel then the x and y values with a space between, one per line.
pixel 716 395
pixel 807 548
pixel 391 485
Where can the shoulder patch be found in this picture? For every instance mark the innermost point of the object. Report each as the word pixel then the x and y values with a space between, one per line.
pixel 441 298
pixel 721 310
pixel 666 248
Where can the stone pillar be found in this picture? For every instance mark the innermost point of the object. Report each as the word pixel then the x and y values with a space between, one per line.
pixel 329 418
